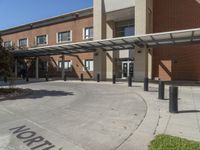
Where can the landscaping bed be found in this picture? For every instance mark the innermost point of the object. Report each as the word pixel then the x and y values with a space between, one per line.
pixel 167 142
pixel 12 93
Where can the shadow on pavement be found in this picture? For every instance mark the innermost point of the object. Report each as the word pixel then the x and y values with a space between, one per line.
pixel 189 111
pixel 37 94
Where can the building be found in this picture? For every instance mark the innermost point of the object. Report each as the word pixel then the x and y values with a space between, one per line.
pixel 106 20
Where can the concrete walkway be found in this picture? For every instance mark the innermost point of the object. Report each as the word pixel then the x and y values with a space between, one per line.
pixel 70 115
pixel 100 116
pixel 158 120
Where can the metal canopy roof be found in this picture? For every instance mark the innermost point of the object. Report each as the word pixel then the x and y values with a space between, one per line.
pixel 115 44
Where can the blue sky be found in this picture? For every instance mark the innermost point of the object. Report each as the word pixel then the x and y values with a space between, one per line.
pixel 18 12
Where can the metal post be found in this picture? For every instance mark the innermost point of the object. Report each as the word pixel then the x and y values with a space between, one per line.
pixel 82 77
pixel 161 90
pixel 27 78
pixel 173 99
pixel 146 84
pixel 46 77
pixel 98 77
pixel 129 81
pixel 63 68
pixel 47 66
pixel 5 79
pixel 37 68
pixel 16 68
pixel 114 79
pixel 65 77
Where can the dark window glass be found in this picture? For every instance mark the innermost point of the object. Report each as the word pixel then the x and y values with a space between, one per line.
pixel 23 43
pixel 125 28
pixel 41 40
pixel 88 33
pixel 64 36
pixel 7 44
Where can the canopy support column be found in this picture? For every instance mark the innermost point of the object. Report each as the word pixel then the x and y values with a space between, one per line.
pixel 37 68
pixel 47 66
pixel 63 68
pixel 16 68
pixel 100 64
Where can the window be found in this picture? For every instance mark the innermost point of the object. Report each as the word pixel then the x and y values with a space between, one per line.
pixel 88 33
pixel 41 40
pixel 64 37
pixel 23 43
pixel 89 65
pixel 125 28
pixel 7 44
pixel 67 64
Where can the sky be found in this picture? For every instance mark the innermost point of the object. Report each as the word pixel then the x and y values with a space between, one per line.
pixel 18 12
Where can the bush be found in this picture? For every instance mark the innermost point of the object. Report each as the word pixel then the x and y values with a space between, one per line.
pixel 167 142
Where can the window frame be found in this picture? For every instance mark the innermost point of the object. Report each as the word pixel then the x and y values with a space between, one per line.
pixel 36 40
pixel 11 44
pixel 84 33
pixel 88 68
pixel 27 43
pixel 123 25
pixel 57 37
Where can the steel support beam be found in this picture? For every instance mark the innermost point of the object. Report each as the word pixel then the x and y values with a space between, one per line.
pixel 16 68
pixel 37 68
pixel 63 68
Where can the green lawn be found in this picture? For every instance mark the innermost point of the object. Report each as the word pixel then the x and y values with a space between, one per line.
pixel 167 142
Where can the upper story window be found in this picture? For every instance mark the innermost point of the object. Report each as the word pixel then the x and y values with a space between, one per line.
pixel 88 33
pixel 125 28
pixel 23 43
pixel 7 44
pixel 41 40
pixel 64 36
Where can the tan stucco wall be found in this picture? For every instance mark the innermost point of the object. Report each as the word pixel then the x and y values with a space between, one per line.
pixel 143 25
pixel 102 29
pixel 99 33
pixel 113 5
pixel 110 26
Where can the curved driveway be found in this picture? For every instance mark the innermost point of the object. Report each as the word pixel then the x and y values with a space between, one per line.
pixel 71 115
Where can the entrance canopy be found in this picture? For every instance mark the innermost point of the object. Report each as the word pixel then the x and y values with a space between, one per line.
pixel 115 44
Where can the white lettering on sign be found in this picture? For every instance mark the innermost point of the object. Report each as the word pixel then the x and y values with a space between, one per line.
pixel 30 137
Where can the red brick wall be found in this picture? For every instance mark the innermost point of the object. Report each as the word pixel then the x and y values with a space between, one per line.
pixel 170 15
pixel 76 26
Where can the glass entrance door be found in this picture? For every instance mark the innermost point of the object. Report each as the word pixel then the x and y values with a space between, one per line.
pixel 127 69
pixel 124 69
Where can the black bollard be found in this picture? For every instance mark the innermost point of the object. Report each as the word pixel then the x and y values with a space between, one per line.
pixel 114 79
pixel 27 79
pixel 82 77
pixel 161 90
pixel 98 77
pixel 130 81
pixel 173 99
pixel 146 84
pixel 65 77
pixel 5 79
pixel 46 77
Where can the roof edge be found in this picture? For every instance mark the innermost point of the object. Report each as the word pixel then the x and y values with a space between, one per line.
pixel 49 21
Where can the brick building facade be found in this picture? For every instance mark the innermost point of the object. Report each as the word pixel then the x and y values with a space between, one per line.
pixel 177 62
pixel 110 18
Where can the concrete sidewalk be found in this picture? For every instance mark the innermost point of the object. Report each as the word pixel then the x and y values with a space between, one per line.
pixel 158 120
pixel 93 99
